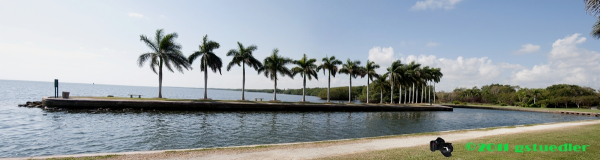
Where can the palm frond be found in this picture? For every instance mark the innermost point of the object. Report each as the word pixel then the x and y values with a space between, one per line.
pixel 149 43
pixel 194 55
pixel 592 6
pixel 596 29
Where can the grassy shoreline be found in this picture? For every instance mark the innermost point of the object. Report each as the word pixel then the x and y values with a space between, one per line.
pixel 528 108
pixel 580 135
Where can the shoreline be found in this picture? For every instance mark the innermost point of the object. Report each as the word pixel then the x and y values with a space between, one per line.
pixel 322 149
pixel 175 104
pixel 527 110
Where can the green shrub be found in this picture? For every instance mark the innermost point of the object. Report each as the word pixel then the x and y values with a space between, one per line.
pixel 503 104
pixel 340 93
pixel 455 102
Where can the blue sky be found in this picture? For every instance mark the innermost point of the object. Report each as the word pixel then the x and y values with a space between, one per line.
pixel 526 43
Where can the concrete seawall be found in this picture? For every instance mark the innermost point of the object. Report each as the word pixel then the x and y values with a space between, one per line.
pixel 91 103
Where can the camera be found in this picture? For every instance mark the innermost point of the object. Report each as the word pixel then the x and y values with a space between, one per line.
pixel 440 144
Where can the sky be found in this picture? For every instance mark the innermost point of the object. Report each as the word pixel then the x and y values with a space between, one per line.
pixel 532 44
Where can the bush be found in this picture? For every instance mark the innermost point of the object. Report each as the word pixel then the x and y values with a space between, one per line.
pixel 455 102
pixel 503 104
pixel 537 105
pixel 340 93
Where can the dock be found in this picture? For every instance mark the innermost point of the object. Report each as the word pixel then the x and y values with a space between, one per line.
pixel 199 105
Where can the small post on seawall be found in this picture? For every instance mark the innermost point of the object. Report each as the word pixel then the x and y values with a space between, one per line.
pixel 55 88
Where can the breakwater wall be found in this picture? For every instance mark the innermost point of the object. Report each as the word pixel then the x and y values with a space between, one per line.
pixel 132 104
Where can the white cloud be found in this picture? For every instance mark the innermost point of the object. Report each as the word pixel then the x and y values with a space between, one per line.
pixel 567 64
pixel 432 44
pixel 382 56
pixel 434 4
pixel 527 48
pixel 135 15
pixel 465 72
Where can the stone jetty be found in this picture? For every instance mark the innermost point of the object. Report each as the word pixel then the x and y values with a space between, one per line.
pixel 142 104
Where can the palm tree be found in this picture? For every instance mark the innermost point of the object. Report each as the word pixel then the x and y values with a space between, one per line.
pixel 425 76
pixel 404 79
pixel 208 59
pixel 593 8
pixel 243 56
pixel 429 71
pixel 393 72
pixel 535 93
pixel 414 70
pixel 437 76
pixel 165 51
pixel 274 64
pixel 353 69
pixel 370 72
pixel 329 63
pixel 381 83
pixel 306 68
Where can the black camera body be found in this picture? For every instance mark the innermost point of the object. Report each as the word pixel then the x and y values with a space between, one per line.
pixel 440 144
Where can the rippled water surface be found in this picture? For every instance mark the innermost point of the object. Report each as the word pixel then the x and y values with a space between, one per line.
pixel 34 132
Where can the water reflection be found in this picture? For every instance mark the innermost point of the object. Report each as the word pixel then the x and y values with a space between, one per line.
pixel 71 132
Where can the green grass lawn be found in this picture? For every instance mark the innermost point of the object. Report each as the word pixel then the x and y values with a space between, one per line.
pixel 546 109
pixel 580 135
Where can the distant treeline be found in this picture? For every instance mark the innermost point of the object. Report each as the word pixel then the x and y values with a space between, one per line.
pixel 555 96
pixel 336 93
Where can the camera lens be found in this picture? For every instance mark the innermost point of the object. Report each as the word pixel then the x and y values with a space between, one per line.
pixel 447 149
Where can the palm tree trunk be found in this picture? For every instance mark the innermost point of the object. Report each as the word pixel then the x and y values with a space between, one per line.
pixel 533 99
pixel 392 92
pixel 304 88
pixel 400 94
pixel 434 92
pixel 328 84
pixel 350 90
pixel 160 79
pixel 205 80
pixel 412 94
pixel 417 94
pixel 367 89
pixel 244 79
pixel 422 92
pixel 429 99
pixel 275 90
pixel 414 99
pixel 409 95
pixel 381 99
pixel 405 94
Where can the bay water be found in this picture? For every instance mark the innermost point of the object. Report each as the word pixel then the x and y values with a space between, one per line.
pixel 36 132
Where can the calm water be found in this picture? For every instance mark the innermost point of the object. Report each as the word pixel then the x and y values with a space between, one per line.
pixel 28 132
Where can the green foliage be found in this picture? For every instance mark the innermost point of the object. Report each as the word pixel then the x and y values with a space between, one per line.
pixel 555 96
pixel 340 93
pixel 455 102
pixel 503 104
pixel 374 94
